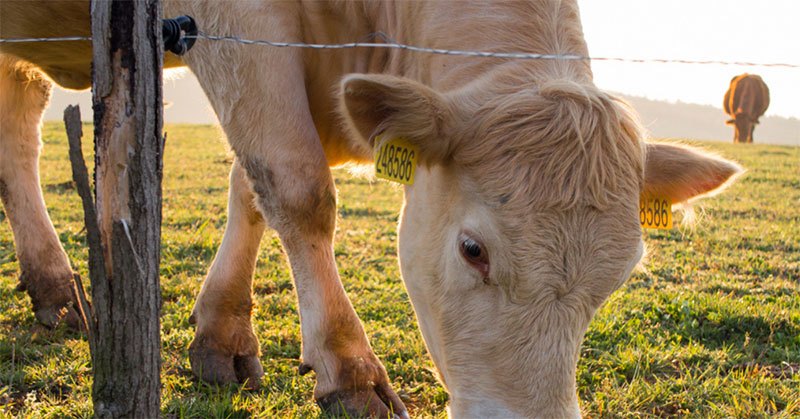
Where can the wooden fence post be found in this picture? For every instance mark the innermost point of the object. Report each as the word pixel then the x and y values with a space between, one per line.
pixel 127 105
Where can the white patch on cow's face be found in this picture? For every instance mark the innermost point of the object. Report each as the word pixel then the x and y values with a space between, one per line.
pixel 475 332
pixel 744 128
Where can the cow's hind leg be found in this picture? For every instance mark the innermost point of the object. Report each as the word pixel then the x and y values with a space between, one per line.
pixel 46 272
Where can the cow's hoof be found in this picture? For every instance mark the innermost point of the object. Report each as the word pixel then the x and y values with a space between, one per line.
pixel 224 367
pixel 52 299
pixel 363 390
pixel 54 315
pixel 360 404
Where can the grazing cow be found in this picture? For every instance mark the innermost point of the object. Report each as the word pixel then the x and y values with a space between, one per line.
pixel 745 101
pixel 522 219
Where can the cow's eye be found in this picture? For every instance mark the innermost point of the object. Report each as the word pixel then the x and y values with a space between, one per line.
pixel 475 254
pixel 471 248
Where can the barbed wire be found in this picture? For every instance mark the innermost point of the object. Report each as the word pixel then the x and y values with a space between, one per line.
pixel 391 44
pixel 53 39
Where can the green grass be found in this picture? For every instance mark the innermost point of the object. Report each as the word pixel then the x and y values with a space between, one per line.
pixel 709 328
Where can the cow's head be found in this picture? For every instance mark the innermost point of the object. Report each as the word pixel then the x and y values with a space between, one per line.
pixel 522 221
pixel 743 124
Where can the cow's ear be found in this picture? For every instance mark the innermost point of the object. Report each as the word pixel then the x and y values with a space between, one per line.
pixel 682 173
pixel 398 107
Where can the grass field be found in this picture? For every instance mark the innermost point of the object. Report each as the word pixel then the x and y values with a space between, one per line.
pixel 710 327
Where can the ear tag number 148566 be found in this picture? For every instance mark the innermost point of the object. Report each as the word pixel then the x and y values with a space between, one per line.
pixel 655 212
pixel 396 160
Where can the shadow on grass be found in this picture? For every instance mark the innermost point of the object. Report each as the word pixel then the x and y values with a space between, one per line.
pixel 349 212
pixel 715 327
pixel 60 188
pixel 739 331
pixel 743 292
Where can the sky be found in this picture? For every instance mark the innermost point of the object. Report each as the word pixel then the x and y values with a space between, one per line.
pixel 728 30
pixel 732 30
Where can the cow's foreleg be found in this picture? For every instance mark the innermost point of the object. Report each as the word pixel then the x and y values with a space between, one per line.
pixel 45 270
pixel 260 98
pixel 299 201
pixel 225 349
pixel 297 195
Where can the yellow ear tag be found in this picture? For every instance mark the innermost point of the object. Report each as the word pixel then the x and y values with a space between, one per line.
pixel 655 212
pixel 396 160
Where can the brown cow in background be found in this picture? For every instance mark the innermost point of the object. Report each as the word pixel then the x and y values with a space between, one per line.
pixel 745 101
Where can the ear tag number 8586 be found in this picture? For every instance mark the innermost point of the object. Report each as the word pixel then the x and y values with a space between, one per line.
pixel 396 160
pixel 655 212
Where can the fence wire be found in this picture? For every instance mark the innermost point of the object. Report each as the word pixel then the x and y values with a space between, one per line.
pixel 389 43
pixel 53 39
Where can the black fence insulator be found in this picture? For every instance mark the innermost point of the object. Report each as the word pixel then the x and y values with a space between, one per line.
pixel 179 34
